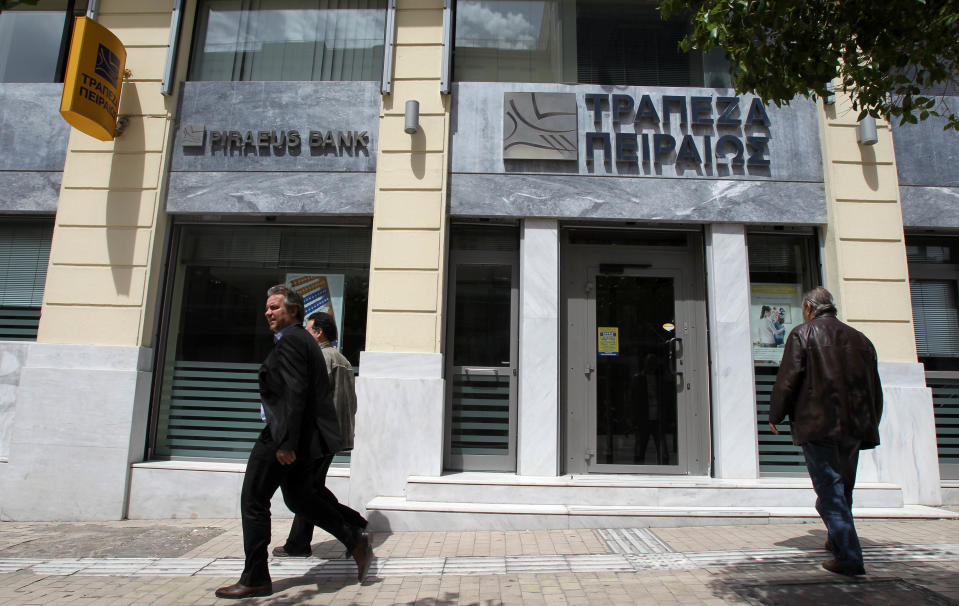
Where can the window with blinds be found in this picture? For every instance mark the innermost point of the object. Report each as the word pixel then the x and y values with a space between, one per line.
pixel 24 255
pixel 782 266
pixel 289 40
pixel 935 317
pixel 934 286
pixel 609 42
pixel 208 403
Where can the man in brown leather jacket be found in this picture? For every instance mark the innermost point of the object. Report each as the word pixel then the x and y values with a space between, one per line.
pixel 828 385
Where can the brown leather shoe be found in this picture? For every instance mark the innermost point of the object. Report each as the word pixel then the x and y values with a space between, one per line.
pixel 363 555
pixel 239 590
pixel 849 570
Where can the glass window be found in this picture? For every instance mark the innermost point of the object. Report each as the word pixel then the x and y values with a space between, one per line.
pixel 24 255
pixel 34 40
pixel 216 336
pixel 301 40
pixel 934 284
pixel 782 266
pixel 481 354
pixel 620 42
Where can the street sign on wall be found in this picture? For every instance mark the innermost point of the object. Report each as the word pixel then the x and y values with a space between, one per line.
pixel 94 76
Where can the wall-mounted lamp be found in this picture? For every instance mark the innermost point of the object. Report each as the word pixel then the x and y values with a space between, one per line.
pixel 412 117
pixel 830 99
pixel 866 131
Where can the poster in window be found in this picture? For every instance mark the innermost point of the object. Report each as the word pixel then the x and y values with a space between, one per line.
pixel 607 343
pixel 321 292
pixel 775 310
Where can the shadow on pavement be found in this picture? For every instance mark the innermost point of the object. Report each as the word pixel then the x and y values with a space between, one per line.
pixel 814 539
pixel 885 585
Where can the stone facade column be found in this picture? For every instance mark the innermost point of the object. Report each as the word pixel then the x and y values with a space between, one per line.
pixel 730 341
pixel 538 409
pixel 866 270
pixel 84 387
pixel 400 387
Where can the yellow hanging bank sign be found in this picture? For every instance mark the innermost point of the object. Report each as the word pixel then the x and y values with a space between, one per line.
pixel 94 76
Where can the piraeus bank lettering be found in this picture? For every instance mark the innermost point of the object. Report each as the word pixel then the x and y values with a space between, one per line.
pixel 725 131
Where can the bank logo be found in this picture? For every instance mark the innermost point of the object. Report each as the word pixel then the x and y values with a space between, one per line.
pixel 540 126
pixel 108 66
pixel 193 135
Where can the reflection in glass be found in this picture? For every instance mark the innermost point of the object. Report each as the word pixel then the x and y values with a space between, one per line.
pixel 289 40
pixel 482 315
pixel 209 403
pixel 31 39
pixel 636 405
pixel 623 42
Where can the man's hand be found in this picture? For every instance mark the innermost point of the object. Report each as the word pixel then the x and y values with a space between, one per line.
pixel 285 457
pixel 773 429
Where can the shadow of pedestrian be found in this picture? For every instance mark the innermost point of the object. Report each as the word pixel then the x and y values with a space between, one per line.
pixel 885 584
pixel 816 539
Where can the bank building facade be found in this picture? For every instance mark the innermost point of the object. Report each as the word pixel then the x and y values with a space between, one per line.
pixel 561 256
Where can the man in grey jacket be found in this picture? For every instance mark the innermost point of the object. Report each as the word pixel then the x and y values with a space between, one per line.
pixel 323 329
pixel 828 385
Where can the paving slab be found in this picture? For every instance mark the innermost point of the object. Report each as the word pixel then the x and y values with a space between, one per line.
pixel 176 562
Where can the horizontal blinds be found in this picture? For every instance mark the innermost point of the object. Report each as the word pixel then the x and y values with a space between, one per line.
pixel 945 401
pixel 24 255
pixel 210 409
pixel 480 406
pixel 935 317
pixel 777 453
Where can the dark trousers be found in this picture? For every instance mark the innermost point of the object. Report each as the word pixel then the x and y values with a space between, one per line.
pixel 832 468
pixel 264 475
pixel 301 532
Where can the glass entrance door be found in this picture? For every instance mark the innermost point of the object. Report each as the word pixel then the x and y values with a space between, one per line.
pixel 638 370
pixel 635 391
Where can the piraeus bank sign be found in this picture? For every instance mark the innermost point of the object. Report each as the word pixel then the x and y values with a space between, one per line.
pixel 274 142
pixel 641 133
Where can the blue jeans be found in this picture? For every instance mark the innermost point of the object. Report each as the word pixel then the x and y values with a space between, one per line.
pixel 832 468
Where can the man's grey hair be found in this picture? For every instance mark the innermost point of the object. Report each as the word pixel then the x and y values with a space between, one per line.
pixel 820 301
pixel 291 298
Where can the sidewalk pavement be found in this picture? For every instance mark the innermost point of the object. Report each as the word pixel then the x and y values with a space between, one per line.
pixel 908 562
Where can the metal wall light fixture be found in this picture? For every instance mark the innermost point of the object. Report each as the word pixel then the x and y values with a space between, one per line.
pixel 866 131
pixel 412 117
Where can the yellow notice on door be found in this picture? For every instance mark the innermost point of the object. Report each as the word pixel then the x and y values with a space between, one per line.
pixel 607 343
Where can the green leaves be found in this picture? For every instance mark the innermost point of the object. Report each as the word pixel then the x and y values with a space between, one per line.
pixel 895 58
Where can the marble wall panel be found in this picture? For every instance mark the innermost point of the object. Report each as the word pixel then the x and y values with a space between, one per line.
pixel 399 424
pixel 29 192
pixel 271 193
pixel 174 493
pixel 12 357
pixel 81 420
pixel 930 206
pixel 906 455
pixel 279 106
pixel 925 153
pixel 33 135
pixel 538 403
pixel 679 200
pixel 477 131
pixel 733 393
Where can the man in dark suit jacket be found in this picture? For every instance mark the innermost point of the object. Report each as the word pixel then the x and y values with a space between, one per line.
pixel 302 430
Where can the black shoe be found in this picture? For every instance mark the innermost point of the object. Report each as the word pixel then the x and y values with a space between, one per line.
pixel 849 570
pixel 283 552
pixel 239 591
pixel 362 553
